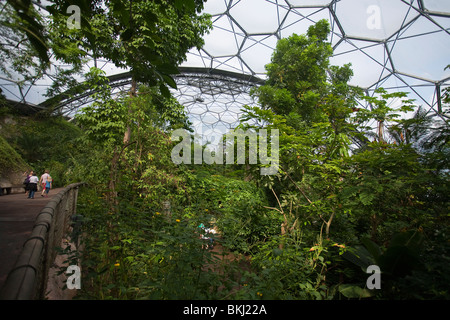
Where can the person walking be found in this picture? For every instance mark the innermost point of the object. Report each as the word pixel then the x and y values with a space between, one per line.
pixel 48 185
pixel 43 181
pixel 27 181
pixel 32 186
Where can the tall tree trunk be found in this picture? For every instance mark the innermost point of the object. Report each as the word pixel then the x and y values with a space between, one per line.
pixel 380 132
pixel 328 224
pixel 374 226
pixel 283 232
pixel 127 135
pixel 112 193
pixel 113 174
pixel 117 154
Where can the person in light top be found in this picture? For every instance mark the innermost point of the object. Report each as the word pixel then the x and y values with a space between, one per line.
pixel 43 181
pixel 32 186
pixel 48 185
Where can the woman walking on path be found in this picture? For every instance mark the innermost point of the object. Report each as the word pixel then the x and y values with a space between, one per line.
pixel 43 181
pixel 32 186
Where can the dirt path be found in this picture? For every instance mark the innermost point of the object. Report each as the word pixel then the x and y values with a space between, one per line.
pixel 227 263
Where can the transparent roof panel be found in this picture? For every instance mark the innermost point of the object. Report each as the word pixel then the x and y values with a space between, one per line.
pixel 225 40
pixel 436 5
pixel 370 19
pixel 368 59
pixel 299 19
pixel 428 62
pixel 215 7
pixel 257 52
pixel 303 3
pixel 265 20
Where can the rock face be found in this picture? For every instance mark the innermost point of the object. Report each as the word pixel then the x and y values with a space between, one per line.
pixel 12 179
pixel 12 167
pixel 12 183
pixel 56 288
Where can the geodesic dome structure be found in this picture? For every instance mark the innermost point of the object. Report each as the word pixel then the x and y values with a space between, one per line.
pixel 394 44
pixel 400 45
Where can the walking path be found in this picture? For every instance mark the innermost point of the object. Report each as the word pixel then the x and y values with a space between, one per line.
pixel 17 217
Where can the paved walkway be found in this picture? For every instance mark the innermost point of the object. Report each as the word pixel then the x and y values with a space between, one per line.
pixel 17 217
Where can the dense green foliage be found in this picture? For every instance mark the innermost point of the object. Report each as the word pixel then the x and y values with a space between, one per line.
pixel 345 185
pixel 10 159
pixel 308 232
pixel 346 195
pixel 43 143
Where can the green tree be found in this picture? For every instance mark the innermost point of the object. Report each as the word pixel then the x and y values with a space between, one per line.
pixel 327 189
pixel 312 113
pixel 150 38
pixel 131 166
pixel 297 76
pixel 23 46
